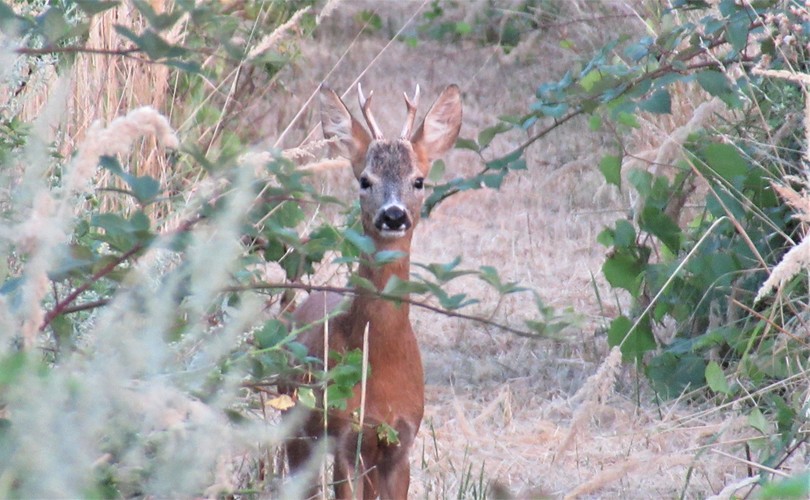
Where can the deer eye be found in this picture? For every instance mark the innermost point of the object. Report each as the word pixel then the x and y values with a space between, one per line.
pixel 419 183
pixel 364 183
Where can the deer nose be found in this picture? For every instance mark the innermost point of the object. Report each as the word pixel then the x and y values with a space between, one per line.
pixel 393 218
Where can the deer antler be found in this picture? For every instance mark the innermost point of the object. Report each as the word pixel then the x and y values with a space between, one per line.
pixel 406 130
pixel 365 105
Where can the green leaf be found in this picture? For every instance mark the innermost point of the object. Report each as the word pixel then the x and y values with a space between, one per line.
pixel 287 214
pixel 718 85
pixel 299 351
pixel 659 224
pixel 486 135
pixel 725 160
pixel 672 374
pixel 628 119
pixel 737 31
pixel 53 25
pixel 624 235
pixel 371 20
pixel 595 123
pixel 359 241
pixel 457 301
pixel 388 256
pixel 633 343
pixel 493 181
pixel 462 143
pixel 144 188
pixel 504 161
pixel 611 168
pixel 397 287
pixel 463 28
pixel 93 7
pixel 606 237
pixel 447 271
pixel 659 103
pixel 490 275
pixel 716 379
pixel 641 180
pixel 552 110
pixel 713 82
pixel 795 487
pixel 361 283
pixel 11 367
pixel 158 22
pixel 387 435
pixel 590 79
pixel 757 420
pixel 306 396
pixel 152 44
pixel 271 334
pixel 623 270
pixel 437 171
pixel 639 50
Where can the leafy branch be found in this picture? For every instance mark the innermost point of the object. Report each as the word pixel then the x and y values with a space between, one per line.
pixel 348 291
pixel 66 305
pixel 619 88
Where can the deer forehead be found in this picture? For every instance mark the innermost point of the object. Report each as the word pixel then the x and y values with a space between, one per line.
pixel 394 159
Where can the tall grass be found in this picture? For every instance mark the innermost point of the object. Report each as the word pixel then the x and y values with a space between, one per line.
pixel 120 358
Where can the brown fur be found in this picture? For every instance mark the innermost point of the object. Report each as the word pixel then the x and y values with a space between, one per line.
pixel 395 387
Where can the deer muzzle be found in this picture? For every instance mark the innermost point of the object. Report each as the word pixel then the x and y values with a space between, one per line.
pixel 392 221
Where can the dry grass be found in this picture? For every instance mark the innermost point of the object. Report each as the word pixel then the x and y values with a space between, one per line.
pixel 104 87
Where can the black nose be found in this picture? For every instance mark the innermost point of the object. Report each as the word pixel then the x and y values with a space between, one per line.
pixel 393 218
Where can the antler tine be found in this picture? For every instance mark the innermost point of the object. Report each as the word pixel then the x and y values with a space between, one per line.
pixel 365 105
pixel 412 105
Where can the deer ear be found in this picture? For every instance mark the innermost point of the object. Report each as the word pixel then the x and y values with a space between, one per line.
pixel 351 138
pixel 439 130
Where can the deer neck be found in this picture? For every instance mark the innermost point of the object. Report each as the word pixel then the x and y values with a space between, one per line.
pixel 384 317
pixel 379 274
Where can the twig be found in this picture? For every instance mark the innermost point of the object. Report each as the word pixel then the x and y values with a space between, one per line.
pixel 66 309
pixel 775 472
pixel 767 320
pixel 385 296
pixel 64 306
pixel 26 51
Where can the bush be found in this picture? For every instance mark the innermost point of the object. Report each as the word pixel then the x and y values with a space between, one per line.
pixel 719 208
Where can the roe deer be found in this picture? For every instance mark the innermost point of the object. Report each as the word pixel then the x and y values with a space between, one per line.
pixel 391 174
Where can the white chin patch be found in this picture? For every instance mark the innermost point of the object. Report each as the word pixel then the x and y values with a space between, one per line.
pixel 388 234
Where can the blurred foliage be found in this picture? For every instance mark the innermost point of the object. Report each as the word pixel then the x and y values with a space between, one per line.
pixel 493 23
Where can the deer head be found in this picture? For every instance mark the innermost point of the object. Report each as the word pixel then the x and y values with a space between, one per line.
pixel 391 172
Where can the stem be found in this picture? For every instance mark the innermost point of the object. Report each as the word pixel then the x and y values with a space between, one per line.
pixel 386 296
pixel 26 51
pixel 62 306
